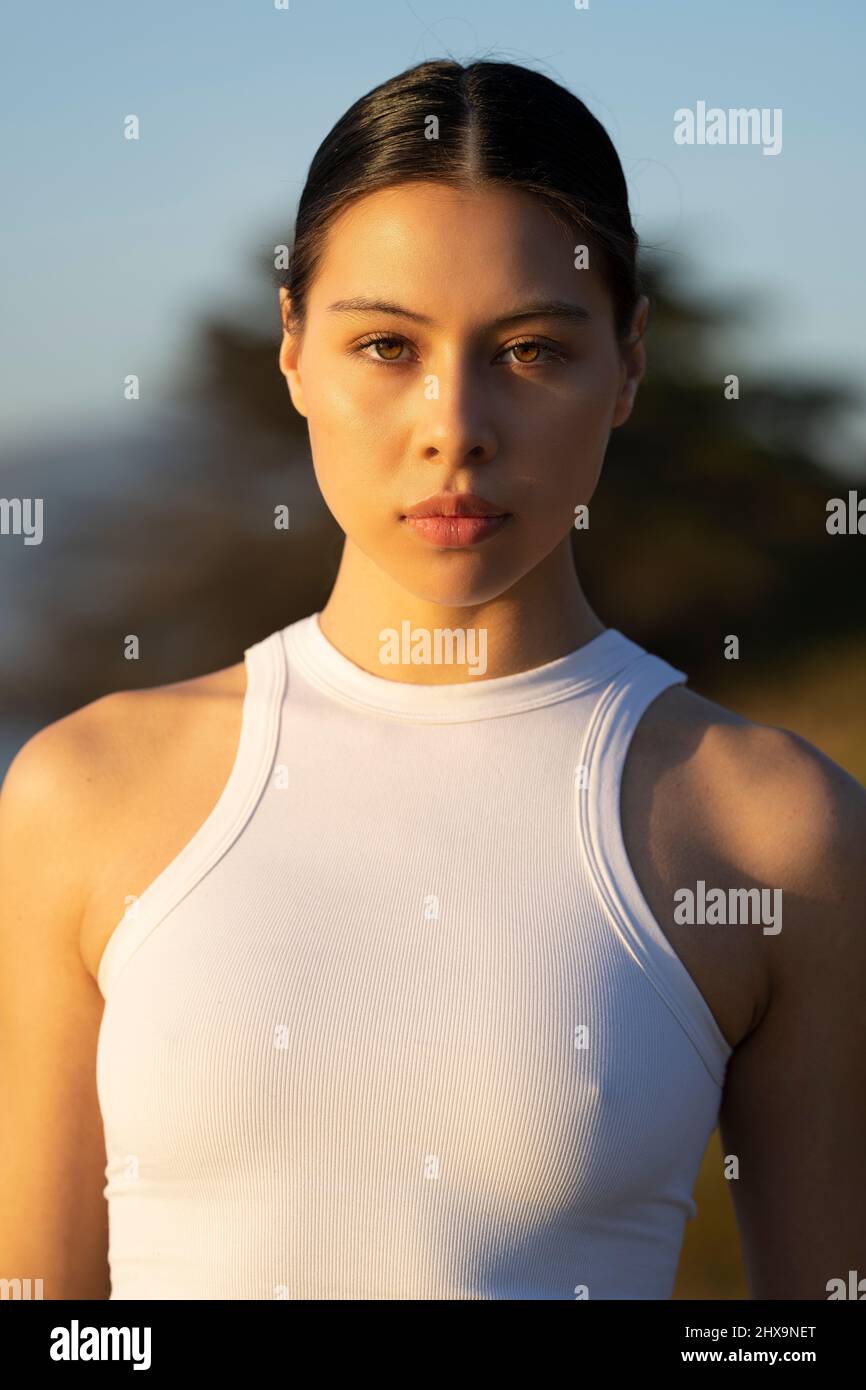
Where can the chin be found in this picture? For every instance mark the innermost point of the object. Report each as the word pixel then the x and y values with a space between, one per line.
pixel 454 591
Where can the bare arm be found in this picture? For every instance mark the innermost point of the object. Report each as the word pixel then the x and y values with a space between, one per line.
pixel 53 1217
pixel 794 1106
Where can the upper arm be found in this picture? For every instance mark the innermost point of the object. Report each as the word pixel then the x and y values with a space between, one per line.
pixel 53 1216
pixel 794 1105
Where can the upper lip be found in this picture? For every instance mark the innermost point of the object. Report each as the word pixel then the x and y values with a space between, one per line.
pixel 455 504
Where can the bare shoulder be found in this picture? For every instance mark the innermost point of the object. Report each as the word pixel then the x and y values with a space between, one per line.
pixel 711 798
pixel 101 744
pixel 91 795
pixel 742 804
pixel 773 805
pixel 113 783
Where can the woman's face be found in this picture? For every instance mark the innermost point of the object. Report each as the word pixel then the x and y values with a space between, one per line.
pixel 453 398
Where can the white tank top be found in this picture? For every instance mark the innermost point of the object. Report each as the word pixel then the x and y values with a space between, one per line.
pixel 398 1022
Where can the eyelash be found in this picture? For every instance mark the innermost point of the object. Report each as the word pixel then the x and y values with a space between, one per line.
pixel 358 350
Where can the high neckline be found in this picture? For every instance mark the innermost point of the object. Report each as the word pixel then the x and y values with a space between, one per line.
pixel 480 697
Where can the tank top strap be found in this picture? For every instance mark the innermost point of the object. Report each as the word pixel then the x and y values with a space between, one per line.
pixel 259 733
pixel 605 744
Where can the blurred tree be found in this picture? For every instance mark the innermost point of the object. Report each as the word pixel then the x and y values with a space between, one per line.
pixel 710 518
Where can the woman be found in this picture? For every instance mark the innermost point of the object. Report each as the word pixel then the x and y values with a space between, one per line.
pixel 417 993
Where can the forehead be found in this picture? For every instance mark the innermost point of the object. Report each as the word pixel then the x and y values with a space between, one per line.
pixel 437 249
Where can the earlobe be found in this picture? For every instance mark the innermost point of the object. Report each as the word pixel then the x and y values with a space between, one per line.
pixel 627 392
pixel 293 381
pixel 624 405
pixel 628 389
pixel 288 357
pixel 634 364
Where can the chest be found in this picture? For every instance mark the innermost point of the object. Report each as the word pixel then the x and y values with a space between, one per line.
pixel 470 837
pixel 343 1031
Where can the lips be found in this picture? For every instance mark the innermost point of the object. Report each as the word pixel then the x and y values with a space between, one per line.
pixel 451 532
pixel 454 519
pixel 451 504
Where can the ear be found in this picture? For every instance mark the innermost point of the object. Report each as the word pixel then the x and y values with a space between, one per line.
pixel 633 363
pixel 290 351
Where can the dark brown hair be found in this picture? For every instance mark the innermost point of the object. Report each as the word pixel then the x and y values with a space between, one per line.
pixel 497 123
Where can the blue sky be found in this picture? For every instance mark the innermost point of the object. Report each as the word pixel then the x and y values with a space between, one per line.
pixel 113 248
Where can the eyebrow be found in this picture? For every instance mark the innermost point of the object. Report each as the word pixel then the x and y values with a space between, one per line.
pixel 545 308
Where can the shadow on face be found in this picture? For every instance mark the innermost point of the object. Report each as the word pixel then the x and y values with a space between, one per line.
pixel 433 361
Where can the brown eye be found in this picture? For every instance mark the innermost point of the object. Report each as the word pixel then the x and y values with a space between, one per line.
pixel 389 349
pixel 386 349
pixel 536 352
pixel 532 348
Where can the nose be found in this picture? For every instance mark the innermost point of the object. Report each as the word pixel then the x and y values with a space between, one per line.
pixel 455 424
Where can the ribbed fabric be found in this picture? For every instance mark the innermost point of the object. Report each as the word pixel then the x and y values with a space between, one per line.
pixel 398 1023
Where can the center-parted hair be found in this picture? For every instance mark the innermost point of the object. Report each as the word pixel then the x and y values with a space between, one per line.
pixel 496 123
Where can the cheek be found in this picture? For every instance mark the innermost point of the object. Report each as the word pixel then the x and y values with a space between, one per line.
pixel 336 423
pixel 593 391
pixel 567 482
pixel 333 402
pixel 347 461
pixel 566 449
pixel 345 414
pixel 574 410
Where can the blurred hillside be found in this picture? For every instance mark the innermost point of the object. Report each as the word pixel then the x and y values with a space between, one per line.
pixel 710 517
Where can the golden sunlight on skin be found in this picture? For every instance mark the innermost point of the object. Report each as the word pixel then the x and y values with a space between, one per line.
pixel 525 428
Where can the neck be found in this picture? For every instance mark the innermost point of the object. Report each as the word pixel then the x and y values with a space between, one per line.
pixel 540 618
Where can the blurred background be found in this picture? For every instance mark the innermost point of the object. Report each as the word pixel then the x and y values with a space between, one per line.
pixel 156 258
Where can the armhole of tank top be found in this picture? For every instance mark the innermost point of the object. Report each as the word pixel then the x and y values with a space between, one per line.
pixel 605 745
pixel 257 742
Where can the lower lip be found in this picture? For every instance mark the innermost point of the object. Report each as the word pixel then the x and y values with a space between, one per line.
pixel 455 531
